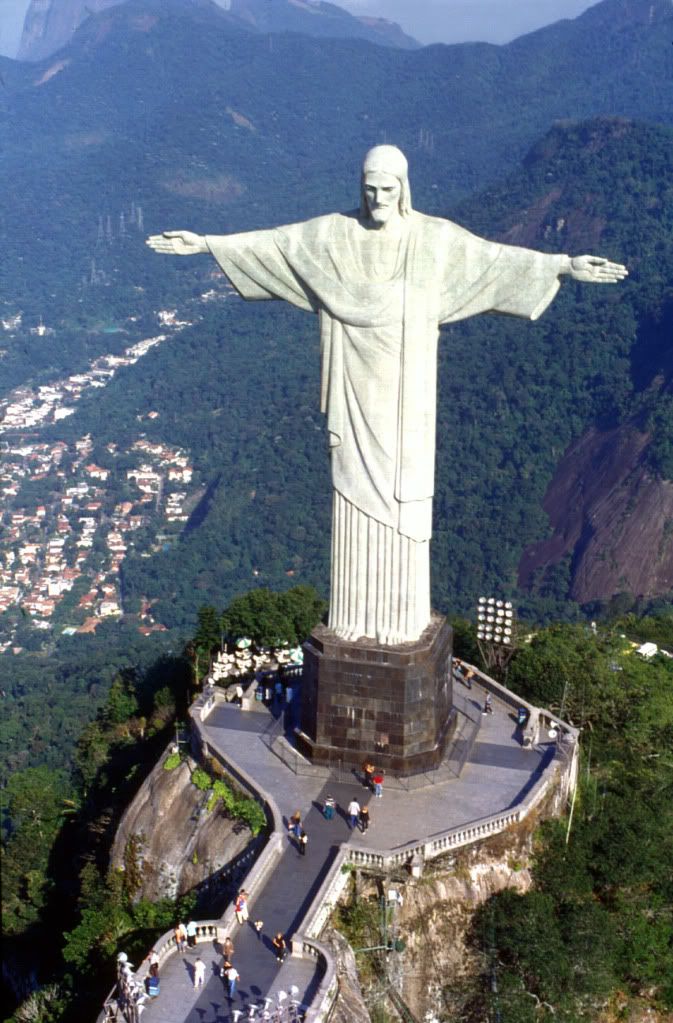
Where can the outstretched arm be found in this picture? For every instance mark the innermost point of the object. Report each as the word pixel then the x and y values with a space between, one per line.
pixel 254 262
pixel 178 243
pixel 594 270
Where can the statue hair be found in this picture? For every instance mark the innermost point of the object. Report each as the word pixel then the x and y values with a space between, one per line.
pixel 387 160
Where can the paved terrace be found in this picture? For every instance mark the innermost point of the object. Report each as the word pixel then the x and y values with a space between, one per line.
pixel 497 774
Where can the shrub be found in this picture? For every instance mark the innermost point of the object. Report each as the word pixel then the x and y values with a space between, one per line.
pixel 251 813
pixel 171 762
pixel 223 792
pixel 202 780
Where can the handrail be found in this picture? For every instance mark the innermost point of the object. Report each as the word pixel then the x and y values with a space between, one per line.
pixel 306 939
pixel 513 699
pixel 206 930
pixel 452 838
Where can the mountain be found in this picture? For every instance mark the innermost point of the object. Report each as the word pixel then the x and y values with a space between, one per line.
pixel 50 24
pixel 245 134
pixel 317 18
pixel 611 515
pixel 596 187
pixel 239 391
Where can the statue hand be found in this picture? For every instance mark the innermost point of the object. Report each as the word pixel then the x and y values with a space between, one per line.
pixel 596 270
pixel 178 243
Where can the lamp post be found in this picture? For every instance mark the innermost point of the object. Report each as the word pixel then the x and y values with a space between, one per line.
pixel 496 634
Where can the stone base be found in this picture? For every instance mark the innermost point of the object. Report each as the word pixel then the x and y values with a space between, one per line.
pixel 390 704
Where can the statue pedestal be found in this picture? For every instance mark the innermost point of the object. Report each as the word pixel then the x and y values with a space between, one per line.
pixel 390 704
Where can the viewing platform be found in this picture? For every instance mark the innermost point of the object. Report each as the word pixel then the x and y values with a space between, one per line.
pixel 494 774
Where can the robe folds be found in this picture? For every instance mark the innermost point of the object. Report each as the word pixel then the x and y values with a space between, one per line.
pixel 379 382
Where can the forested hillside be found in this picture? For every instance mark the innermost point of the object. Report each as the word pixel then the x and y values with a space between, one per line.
pixel 168 115
pixel 240 391
pixel 592 940
pixel 594 935
pixel 247 133
pixel 254 133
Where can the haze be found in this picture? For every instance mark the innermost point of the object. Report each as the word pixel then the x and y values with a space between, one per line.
pixel 429 21
pixel 459 21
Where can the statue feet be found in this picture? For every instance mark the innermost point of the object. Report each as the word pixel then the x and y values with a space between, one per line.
pixel 384 639
pixel 348 634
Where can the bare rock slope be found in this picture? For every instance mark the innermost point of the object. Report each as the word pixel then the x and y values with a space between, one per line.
pixel 611 515
pixel 179 844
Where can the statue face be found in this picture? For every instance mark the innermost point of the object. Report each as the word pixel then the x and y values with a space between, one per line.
pixel 382 195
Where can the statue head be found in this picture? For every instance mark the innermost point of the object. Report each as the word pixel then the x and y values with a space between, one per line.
pixel 384 184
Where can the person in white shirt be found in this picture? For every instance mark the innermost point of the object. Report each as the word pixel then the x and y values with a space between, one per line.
pixel 199 973
pixel 353 812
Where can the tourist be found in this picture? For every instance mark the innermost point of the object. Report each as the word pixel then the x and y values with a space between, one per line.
pixel 302 839
pixel 191 933
pixel 330 808
pixel 199 973
pixel 294 824
pixel 367 774
pixel 227 948
pixel 488 705
pixel 152 982
pixel 241 906
pixel 364 819
pixel 258 925
pixel 280 945
pixel 378 784
pixel 232 975
pixel 180 937
pixel 468 676
pixel 353 812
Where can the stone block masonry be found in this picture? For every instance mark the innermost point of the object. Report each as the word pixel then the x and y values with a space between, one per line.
pixel 392 704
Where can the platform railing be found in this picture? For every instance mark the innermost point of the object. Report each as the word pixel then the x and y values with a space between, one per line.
pixel 559 774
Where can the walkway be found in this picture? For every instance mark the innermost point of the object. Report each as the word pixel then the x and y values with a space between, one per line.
pixel 497 774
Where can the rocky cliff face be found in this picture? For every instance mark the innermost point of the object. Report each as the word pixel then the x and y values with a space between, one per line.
pixel 317 18
pixel 50 24
pixel 435 920
pixel 350 1005
pixel 611 516
pixel 178 845
pixel 435 973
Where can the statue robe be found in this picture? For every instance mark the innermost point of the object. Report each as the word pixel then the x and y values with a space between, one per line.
pixel 379 382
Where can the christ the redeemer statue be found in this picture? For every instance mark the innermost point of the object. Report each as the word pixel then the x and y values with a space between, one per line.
pixel 382 279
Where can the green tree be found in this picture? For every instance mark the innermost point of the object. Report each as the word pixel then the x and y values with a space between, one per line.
pixel 96 936
pixel 209 631
pixel 305 608
pixel 92 753
pixel 260 615
pixel 37 800
pixel 122 702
